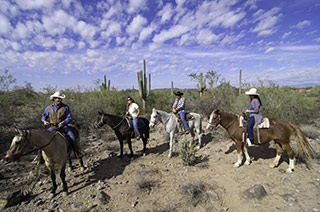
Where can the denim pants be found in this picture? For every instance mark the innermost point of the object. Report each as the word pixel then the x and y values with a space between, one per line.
pixel 250 125
pixel 68 131
pixel 183 119
pixel 135 126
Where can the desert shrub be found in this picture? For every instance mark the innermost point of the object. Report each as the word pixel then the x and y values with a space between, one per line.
pixel 310 131
pixel 196 193
pixel 187 152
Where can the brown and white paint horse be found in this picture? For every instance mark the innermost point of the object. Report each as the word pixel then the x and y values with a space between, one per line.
pixel 54 151
pixel 280 131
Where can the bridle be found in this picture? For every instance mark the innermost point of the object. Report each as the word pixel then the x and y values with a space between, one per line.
pixel 216 123
pixel 101 122
pixel 21 152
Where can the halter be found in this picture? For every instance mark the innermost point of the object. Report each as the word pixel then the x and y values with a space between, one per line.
pixel 219 118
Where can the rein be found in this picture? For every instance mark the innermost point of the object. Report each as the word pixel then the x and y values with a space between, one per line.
pixel 116 125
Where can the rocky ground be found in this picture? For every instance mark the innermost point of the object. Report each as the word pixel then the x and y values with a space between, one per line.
pixel 157 183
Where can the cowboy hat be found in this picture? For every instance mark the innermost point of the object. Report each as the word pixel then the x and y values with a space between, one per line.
pixel 252 91
pixel 57 94
pixel 178 93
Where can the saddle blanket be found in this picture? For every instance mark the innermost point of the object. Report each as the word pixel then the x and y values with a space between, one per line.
pixel 264 124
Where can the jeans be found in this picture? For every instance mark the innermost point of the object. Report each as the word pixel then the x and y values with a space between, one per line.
pixel 183 119
pixel 135 126
pixel 250 125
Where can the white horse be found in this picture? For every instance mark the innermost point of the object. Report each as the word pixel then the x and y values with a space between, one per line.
pixel 171 124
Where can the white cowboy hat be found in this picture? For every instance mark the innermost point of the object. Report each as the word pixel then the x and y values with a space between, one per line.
pixel 252 91
pixel 57 94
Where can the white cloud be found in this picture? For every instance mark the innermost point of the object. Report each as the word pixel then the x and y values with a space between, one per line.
pixel 206 37
pixel 136 25
pixel 5 25
pixel 230 38
pixel 81 45
pixel 21 31
pixel 317 39
pixel 286 34
pixel 136 6
pixel 35 4
pixel 146 32
pixel 266 21
pixel 8 9
pixel 302 24
pixel 166 13
pixel 113 29
pixel 93 53
pixel 173 32
pixel 65 43
pixel 270 49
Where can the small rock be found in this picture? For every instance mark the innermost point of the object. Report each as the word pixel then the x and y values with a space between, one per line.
pixel 134 204
pixel 76 205
pixel 256 192
pixel 103 198
pixel 39 202
pixel 315 209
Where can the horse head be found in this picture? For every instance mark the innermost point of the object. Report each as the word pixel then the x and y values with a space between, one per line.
pixel 214 119
pixel 100 120
pixel 19 145
pixel 154 117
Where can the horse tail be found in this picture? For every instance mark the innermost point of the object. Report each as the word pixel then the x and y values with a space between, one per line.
pixel 303 146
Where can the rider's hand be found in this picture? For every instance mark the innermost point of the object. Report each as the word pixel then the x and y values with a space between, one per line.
pixel 174 110
pixel 60 124
pixel 46 123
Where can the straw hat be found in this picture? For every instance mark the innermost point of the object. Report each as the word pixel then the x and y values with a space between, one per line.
pixel 252 91
pixel 57 94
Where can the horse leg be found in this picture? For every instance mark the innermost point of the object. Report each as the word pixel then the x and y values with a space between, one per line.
pixel 171 144
pixel 144 140
pixel 63 179
pixel 81 164
pixel 54 184
pixel 275 163
pixel 198 130
pixel 70 163
pixel 239 153
pixel 248 159
pixel 291 157
pixel 130 146
pixel 121 147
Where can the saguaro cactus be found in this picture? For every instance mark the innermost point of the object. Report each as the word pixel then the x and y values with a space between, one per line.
pixel 171 88
pixel 202 85
pixel 104 86
pixel 240 82
pixel 142 82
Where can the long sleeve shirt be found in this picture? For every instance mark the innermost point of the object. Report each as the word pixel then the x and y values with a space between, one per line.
pixel 46 113
pixel 180 103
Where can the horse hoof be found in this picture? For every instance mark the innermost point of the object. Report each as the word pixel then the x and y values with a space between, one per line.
pixel 236 165
pixel 169 156
pixel 247 163
pixel 289 170
pixel 65 193
pixel 272 165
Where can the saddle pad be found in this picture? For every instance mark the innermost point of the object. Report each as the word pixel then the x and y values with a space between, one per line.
pixel 265 123
pixel 240 121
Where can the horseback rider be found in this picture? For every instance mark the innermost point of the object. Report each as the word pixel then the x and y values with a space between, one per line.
pixel 133 110
pixel 255 115
pixel 59 117
pixel 179 107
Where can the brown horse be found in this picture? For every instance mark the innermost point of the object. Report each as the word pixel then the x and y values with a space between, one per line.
pixel 280 131
pixel 54 148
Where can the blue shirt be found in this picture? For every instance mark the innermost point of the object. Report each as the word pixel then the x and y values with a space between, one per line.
pixel 251 108
pixel 46 113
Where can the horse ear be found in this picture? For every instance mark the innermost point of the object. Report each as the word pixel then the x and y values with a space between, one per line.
pixel 218 111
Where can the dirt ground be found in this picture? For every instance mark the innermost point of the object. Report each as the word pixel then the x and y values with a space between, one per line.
pixel 157 183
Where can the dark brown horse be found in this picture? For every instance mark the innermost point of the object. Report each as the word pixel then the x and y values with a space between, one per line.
pixel 123 131
pixel 280 131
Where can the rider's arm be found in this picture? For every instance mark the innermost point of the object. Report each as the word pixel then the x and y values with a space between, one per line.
pixel 45 114
pixel 138 112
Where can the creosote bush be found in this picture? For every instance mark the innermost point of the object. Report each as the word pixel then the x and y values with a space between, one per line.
pixel 187 152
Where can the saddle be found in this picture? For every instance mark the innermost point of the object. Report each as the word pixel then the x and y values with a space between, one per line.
pixel 264 124
pixel 188 117
pixel 140 125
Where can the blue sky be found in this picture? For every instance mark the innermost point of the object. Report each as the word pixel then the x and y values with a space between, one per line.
pixel 69 43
